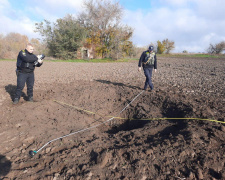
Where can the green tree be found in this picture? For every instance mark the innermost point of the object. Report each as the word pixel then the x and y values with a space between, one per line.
pixel 165 46
pixel 160 47
pixel 63 38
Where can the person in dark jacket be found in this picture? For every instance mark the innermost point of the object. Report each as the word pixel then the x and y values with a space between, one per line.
pixel 26 63
pixel 148 61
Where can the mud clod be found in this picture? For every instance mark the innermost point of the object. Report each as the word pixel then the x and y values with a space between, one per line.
pixel 141 144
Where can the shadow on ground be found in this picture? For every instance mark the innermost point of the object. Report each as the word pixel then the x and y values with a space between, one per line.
pixel 11 89
pixel 117 84
pixel 5 165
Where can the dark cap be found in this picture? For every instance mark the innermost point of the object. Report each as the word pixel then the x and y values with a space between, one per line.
pixel 150 48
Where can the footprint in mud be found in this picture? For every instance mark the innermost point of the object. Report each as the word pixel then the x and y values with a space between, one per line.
pixel 102 158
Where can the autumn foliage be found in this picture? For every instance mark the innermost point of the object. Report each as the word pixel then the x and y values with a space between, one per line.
pixel 12 43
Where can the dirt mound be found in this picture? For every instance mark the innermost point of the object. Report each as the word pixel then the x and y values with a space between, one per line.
pixel 136 146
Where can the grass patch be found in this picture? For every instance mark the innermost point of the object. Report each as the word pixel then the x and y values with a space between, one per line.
pixel 192 55
pixel 82 60
pixel 106 60
pixel 7 60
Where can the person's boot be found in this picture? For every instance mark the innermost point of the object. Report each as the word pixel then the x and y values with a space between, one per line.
pixel 30 99
pixel 15 101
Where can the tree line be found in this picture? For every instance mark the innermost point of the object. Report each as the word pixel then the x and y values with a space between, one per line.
pixel 12 43
pixel 98 28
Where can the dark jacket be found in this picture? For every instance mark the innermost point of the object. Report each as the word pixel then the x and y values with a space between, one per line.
pixel 26 62
pixel 142 60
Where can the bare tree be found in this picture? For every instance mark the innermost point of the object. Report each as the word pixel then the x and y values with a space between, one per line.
pixel 138 51
pixel 102 20
pixel 168 45
pixel 119 45
pixel 12 43
pixel 100 15
pixel 217 48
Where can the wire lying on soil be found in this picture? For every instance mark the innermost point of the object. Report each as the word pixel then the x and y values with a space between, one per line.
pixel 148 119
pixel 32 153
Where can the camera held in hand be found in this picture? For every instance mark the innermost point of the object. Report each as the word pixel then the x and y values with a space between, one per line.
pixel 40 58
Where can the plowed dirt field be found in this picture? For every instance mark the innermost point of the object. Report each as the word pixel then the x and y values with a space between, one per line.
pixel 138 145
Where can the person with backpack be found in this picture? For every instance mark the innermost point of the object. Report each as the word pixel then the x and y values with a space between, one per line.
pixel 148 61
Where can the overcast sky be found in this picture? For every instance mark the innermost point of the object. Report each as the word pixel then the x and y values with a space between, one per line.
pixel 191 24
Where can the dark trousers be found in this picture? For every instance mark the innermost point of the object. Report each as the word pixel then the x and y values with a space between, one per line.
pixel 148 75
pixel 23 78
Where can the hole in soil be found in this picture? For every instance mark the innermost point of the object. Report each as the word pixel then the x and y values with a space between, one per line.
pixel 169 109
pixel 128 125
pixel 175 110
pixel 215 174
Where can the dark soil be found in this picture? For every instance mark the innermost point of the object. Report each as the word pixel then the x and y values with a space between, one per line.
pixel 140 146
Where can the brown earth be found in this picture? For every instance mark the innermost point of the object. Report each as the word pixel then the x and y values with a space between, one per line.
pixel 128 148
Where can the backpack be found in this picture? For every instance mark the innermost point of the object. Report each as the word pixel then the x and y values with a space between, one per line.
pixel 149 58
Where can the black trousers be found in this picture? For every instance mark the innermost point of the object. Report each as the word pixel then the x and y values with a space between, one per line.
pixel 23 78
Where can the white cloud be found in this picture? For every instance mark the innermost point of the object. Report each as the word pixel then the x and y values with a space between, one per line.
pixel 23 20
pixel 15 21
pixel 212 10
pixel 191 24
pixel 54 9
pixel 3 3
pixel 24 26
pixel 188 25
